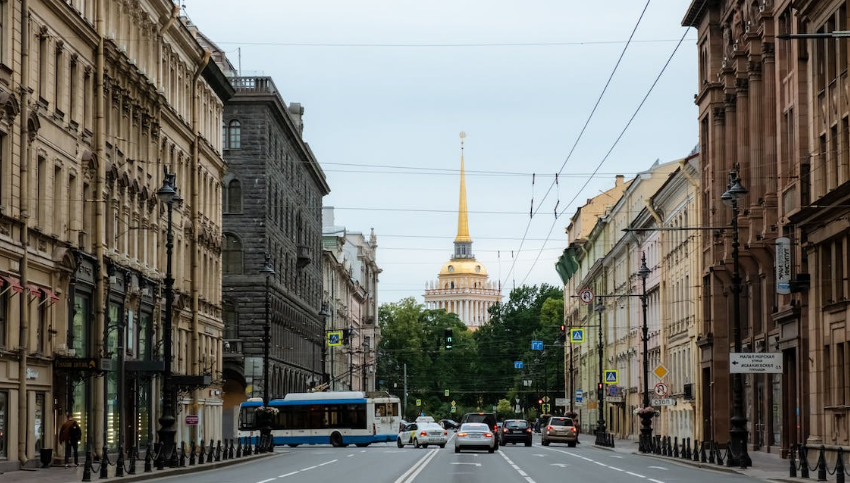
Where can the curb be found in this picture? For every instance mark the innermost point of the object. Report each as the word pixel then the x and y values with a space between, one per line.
pixel 188 469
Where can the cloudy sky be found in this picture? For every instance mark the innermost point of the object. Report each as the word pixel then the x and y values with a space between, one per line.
pixel 388 85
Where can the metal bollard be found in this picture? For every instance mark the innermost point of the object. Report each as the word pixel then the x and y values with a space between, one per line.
pixel 87 463
pixel 119 463
pixel 688 449
pixel 231 449
pixel 702 452
pixel 104 463
pixel 676 447
pixel 711 451
pixel 202 453
pixel 134 452
pixel 839 466
pixel 149 458
pixel 210 452
pixel 238 447
pixel 160 459
pixel 793 469
pixel 192 449
pixel 182 454
pixel 224 451
pixel 804 461
pixel 822 464
pixel 218 451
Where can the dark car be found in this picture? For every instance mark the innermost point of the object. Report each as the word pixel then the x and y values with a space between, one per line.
pixel 487 418
pixel 449 424
pixel 516 431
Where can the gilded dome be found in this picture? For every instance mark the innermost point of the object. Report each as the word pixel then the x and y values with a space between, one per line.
pixel 463 267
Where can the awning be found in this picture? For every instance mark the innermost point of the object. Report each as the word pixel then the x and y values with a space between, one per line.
pixel 34 290
pixel 50 295
pixel 12 283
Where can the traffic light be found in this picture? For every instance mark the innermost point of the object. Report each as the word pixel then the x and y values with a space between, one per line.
pixel 539 401
pixel 346 335
pixel 563 335
pixel 599 391
pixel 449 339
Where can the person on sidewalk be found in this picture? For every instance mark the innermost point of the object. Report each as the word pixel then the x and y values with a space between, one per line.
pixel 75 434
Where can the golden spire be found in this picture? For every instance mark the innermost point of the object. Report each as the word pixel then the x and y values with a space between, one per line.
pixel 462 216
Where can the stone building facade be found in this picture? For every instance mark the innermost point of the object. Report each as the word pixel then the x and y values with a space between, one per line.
pixel 350 280
pixel 272 204
pixel 774 112
pixel 114 93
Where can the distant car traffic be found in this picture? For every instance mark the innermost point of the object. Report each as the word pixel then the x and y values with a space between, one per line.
pixel 475 436
pixel 560 429
pixel 515 431
pixel 449 424
pixel 422 434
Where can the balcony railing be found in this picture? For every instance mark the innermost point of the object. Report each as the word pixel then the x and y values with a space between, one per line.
pixel 254 85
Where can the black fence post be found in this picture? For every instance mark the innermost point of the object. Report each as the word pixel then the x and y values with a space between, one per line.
pixel 104 463
pixel 839 466
pixel 711 451
pixel 182 454
pixel 238 447
pixel 210 453
pixel 134 452
pixel 231 449
pixel 218 451
pixel 822 463
pixel 676 447
pixel 202 454
pixel 804 461
pixel 149 458
pixel 702 456
pixel 87 463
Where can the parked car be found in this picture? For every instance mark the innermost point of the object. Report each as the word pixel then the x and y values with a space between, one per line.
pixel 475 436
pixel 515 431
pixel 422 434
pixel 487 418
pixel 560 429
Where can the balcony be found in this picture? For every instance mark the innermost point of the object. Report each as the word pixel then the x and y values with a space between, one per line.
pixel 232 348
pixel 254 85
pixel 304 256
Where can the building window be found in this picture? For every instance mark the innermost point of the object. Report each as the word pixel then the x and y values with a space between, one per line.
pixel 231 321
pixel 233 192
pixel 80 324
pixel 231 255
pixel 145 334
pixel 41 323
pixel 234 135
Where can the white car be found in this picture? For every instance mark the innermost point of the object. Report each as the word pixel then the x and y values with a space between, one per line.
pixel 422 434
pixel 475 436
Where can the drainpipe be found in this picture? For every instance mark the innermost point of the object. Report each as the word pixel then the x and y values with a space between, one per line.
pixel 23 394
pixel 100 212
pixel 196 223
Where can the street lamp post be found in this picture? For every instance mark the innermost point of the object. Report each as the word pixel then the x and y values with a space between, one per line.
pixel 323 313
pixel 645 415
pixel 266 430
pixel 738 429
pixel 600 389
pixel 167 420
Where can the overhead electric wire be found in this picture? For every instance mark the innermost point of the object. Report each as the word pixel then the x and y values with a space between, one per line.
pixel 614 145
pixel 444 45
pixel 580 135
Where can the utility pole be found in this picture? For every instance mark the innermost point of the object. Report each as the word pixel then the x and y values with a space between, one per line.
pixel 404 400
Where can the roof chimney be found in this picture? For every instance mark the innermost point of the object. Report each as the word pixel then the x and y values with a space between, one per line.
pixel 620 180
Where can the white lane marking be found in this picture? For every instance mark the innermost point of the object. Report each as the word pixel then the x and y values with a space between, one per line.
pixel 414 470
pixel 616 469
pixel 655 481
pixel 289 474
pixel 658 467
pixel 462 463
pixel 562 465
pixel 349 456
pixel 309 468
pixel 540 455
pixel 635 474
pixel 600 464
pixel 521 473
pixel 327 463
pixel 616 456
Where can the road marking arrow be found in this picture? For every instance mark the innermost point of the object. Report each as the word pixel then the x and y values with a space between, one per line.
pixel 562 465
pixel 658 467
pixel 474 464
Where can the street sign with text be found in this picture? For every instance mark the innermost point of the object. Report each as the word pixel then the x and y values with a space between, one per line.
pixel 667 401
pixel 561 401
pixel 192 419
pixel 755 363
pixel 537 345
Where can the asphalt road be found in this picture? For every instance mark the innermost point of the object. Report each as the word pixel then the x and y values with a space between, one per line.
pixel 385 463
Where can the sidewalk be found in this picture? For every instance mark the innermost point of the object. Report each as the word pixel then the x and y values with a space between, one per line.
pixel 766 466
pixel 60 474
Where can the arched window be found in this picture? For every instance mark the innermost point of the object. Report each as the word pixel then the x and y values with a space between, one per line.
pixel 231 255
pixel 234 196
pixel 234 135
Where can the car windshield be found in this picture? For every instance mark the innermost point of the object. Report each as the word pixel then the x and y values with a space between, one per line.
pixel 516 424
pixel 477 418
pixel 560 422
pixel 474 427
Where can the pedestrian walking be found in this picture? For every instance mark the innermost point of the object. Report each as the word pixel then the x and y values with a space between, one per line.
pixel 70 435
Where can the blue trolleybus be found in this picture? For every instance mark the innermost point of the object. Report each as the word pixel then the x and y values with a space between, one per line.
pixel 335 418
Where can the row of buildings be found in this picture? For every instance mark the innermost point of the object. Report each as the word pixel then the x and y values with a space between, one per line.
pixel 100 99
pixel 772 93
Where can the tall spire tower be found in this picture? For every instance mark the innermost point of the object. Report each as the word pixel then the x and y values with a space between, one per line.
pixel 463 243
pixel 462 286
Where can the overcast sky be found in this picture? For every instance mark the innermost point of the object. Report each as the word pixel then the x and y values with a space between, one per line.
pixel 387 86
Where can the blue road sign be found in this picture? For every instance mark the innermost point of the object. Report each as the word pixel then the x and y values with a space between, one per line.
pixel 611 376
pixel 517 364
pixel 577 336
pixel 579 395
pixel 537 345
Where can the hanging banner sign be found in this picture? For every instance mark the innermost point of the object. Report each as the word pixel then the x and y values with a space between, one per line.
pixel 783 265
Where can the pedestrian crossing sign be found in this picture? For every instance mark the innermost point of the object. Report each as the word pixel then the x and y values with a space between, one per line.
pixel 611 376
pixel 334 338
pixel 577 336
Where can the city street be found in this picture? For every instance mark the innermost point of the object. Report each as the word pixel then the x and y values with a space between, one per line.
pixel 385 463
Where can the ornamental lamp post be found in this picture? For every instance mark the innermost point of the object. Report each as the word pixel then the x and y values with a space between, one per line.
pixel 600 389
pixel 266 430
pixel 645 415
pixel 738 429
pixel 167 432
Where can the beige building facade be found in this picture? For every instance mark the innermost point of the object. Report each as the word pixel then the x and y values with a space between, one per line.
pixel 115 92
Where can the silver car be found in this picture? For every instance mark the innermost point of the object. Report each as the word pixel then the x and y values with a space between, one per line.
pixel 475 436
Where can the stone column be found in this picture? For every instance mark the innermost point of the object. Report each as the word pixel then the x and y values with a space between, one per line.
pixel 771 180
